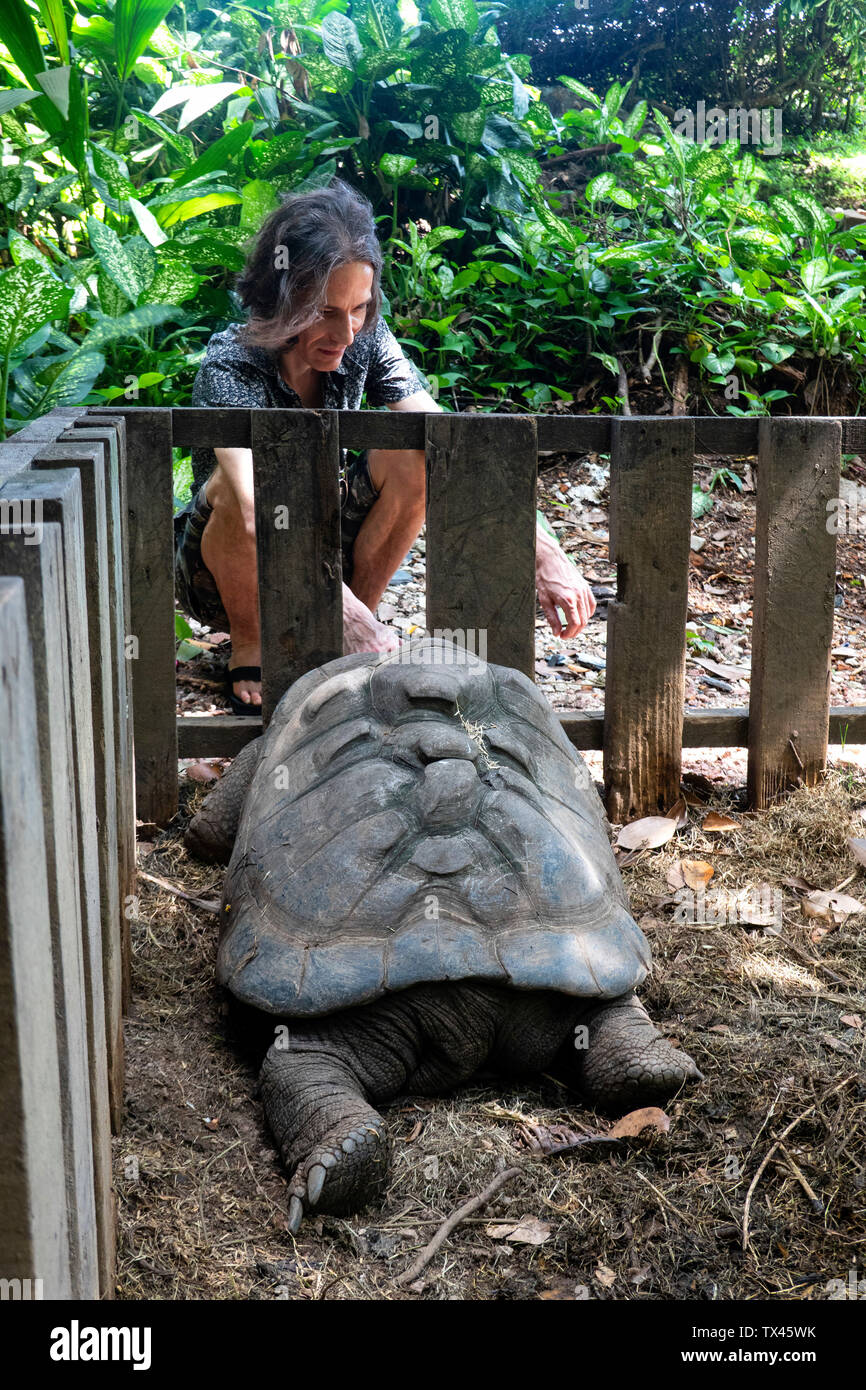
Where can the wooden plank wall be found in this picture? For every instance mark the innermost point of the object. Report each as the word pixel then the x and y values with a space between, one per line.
pixel 66 850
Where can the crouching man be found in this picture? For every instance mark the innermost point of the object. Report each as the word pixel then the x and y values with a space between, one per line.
pixel 315 339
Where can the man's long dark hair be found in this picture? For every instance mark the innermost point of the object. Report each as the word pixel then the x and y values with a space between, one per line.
pixel 284 282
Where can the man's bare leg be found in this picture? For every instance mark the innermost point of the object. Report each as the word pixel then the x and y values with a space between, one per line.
pixel 228 549
pixel 392 523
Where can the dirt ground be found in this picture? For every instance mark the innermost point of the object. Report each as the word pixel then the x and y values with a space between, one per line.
pixel 771 1008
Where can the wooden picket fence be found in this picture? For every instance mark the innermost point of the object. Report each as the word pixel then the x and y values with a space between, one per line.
pixel 481 472
pixel 88 710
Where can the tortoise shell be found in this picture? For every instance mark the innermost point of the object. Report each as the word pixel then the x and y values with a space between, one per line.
pixel 421 816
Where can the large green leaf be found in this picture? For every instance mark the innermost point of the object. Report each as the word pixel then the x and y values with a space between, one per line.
pixel 73 382
pixel 21 37
pixel 29 297
pixel 196 100
pixel 182 143
pixel 258 198
pixel 113 258
pixel 383 22
pixel 326 76
pixel 54 19
pixel 131 324
pixel 196 205
pixel 14 97
pixel 134 22
pixel 271 154
pixel 454 14
pixel 173 283
pixel 220 154
pixel 110 176
pixel 395 167
pixel 341 40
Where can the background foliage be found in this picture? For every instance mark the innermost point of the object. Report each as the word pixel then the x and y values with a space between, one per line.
pixel 143 142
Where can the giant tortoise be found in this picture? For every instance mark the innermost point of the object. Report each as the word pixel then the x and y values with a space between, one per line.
pixel 421 884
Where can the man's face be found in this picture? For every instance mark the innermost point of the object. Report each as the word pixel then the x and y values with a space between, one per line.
pixel 321 346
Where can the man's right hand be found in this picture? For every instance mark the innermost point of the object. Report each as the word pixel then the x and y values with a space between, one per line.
pixel 362 632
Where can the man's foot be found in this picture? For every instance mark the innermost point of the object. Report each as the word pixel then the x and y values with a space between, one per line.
pixel 249 692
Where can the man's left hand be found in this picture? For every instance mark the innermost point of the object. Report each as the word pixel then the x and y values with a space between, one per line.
pixel 560 585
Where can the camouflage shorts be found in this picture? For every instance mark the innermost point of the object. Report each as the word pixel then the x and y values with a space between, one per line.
pixel 195 586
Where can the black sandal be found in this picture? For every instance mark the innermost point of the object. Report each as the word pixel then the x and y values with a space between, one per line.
pixel 242 673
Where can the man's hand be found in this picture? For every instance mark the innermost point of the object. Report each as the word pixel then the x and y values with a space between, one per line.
pixel 362 632
pixel 561 585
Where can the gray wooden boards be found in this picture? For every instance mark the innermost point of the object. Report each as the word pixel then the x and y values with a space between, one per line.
pixel 57 496
pixel 650 526
pixel 40 566
pixel 33 1203
pixel 112 435
pixel 151 638
pixel 88 459
pixel 296 478
pixel 792 625
pixel 481 478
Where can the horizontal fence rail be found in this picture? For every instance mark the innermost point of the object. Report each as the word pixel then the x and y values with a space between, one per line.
pixel 481 472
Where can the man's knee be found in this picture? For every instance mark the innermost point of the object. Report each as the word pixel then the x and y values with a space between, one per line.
pixel 228 517
pixel 402 471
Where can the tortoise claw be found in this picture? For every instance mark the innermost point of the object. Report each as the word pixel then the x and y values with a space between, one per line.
pixel 315 1183
pixel 296 1214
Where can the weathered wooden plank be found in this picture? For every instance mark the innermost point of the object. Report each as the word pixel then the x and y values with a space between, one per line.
pixel 296 476
pixel 59 498
pixel 481 479
pixel 34 1232
pixel 41 568
pixel 650 526
pixel 798 471
pixel 112 437
pixel 217 736
pixel 151 633
pixel 223 736
pixel 87 459
pixel 383 429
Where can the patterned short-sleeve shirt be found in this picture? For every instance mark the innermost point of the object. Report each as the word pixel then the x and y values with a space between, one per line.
pixel 235 373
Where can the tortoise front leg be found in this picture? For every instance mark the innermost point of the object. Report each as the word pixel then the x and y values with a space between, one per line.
pixel 332 1141
pixel 211 832
pixel 626 1062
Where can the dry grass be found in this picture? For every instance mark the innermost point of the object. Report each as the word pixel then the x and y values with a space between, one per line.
pixel 202 1205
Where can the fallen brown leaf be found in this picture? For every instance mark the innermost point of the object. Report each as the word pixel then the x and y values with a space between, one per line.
pixel 714 821
pixel 831 907
pixel 650 1116
pixel 696 872
pixel 647 833
pixel 529 1230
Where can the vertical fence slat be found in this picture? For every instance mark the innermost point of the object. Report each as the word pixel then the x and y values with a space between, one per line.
pixel 33 1220
pixel 150 496
pixel 112 435
pixel 481 483
pixel 88 459
pixel 40 564
pixel 650 526
pixel 296 470
pixel 799 463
